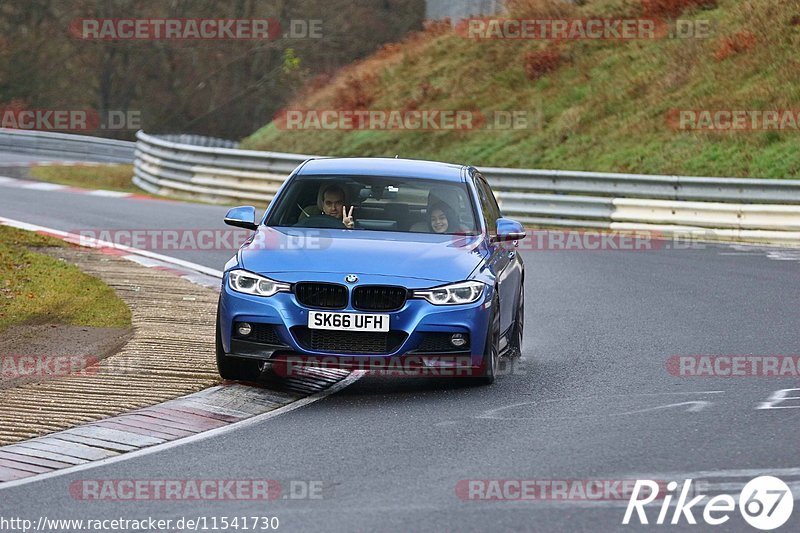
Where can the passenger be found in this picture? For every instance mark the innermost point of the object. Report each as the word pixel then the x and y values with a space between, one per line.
pixel 443 218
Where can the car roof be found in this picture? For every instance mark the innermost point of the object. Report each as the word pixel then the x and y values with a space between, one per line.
pixel 383 167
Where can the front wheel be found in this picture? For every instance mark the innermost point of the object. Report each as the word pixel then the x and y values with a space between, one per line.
pixel 235 368
pixel 491 351
pixel 515 340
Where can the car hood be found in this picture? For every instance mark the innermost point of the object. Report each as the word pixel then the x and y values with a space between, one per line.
pixel 289 254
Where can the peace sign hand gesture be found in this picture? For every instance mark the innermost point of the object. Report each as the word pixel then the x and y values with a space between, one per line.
pixel 347 218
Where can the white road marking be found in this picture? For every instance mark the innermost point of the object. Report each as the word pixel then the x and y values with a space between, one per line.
pixel 695 407
pixel 784 255
pixel 738 253
pixel 781 396
pixel 44 186
pixel 112 194
pixel 204 280
pixel 144 261
pixel 492 414
pixel 770 252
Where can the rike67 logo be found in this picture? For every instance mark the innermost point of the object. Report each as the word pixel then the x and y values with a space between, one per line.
pixel 765 503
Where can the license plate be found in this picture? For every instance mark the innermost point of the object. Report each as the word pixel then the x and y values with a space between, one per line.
pixel 347 321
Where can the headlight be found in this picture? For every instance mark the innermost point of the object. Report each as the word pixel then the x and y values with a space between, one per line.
pixel 249 283
pixel 463 292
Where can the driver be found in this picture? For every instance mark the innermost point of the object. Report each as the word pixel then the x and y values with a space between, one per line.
pixel 331 202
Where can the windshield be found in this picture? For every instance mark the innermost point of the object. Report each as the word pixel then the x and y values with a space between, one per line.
pixel 375 204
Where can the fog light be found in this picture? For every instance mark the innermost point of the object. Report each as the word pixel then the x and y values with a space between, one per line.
pixel 244 329
pixel 458 340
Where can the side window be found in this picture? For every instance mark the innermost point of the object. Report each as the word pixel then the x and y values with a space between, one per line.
pixel 489 207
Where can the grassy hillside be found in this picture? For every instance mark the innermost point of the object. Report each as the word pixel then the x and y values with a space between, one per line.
pixel 603 105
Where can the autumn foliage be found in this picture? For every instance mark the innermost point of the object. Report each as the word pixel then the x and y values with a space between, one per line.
pixel 541 62
pixel 735 44
pixel 357 93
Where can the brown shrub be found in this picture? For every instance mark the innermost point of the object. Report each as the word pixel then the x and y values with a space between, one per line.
pixel 318 82
pixel 356 93
pixel 15 104
pixel 435 28
pixel 735 44
pixel 673 8
pixel 542 62
pixel 425 93
pixel 388 50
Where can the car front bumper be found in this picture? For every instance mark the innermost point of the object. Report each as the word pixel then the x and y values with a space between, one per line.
pixel 411 329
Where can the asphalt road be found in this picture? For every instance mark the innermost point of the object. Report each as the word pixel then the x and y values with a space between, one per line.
pixel 591 398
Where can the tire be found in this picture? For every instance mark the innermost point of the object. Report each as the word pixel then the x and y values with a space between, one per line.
pixel 515 340
pixel 235 368
pixel 491 351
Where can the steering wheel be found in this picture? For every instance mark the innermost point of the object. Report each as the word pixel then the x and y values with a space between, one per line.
pixel 321 221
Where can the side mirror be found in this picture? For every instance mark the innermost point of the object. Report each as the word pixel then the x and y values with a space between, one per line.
pixel 509 230
pixel 242 217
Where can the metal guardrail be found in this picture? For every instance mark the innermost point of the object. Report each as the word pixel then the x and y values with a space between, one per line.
pixel 163 166
pixel 199 140
pixel 682 188
pixel 67 146
pixel 758 209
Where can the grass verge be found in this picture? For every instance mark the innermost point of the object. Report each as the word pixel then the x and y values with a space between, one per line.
pixel 36 288
pixel 105 177
pixel 108 177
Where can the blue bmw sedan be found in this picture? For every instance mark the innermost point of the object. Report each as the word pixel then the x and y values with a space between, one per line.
pixel 368 262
